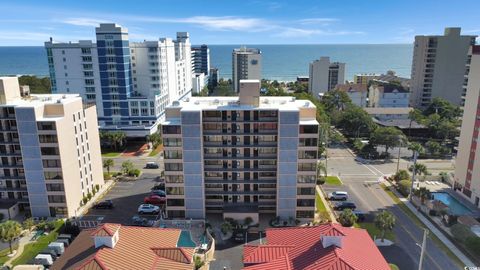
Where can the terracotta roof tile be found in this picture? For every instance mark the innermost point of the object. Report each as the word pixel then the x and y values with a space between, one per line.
pixel 107 229
pixel 306 250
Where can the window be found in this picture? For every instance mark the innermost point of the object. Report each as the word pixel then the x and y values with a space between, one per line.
pixel 46 126
pixel 306 179
pixel 48 138
pixel 305 202
pixel 306 167
pixel 174 190
pixel 56 198
pixel 86 59
pixel 51 163
pixel 55 187
pixel 89 82
pixel 175 202
pixel 309 129
pixel 171 130
pixel 173 154
pixel 53 175
pixel 49 151
pixel 86 50
pixel 304 214
pixel 174 178
pixel 88 73
pixel 306 191
pixel 307 154
pixel 87 66
pixel 308 142
pixel 173 167
pixel 172 142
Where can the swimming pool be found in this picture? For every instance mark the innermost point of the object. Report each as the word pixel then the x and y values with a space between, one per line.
pixel 185 240
pixel 453 204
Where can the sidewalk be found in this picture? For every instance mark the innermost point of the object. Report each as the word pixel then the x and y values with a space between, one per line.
pixel 21 245
pixel 434 230
pixel 327 205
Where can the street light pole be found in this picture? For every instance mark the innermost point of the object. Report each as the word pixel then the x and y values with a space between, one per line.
pixel 424 245
pixel 415 153
pixel 398 159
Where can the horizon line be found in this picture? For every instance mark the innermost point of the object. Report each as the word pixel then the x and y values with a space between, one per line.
pixel 251 44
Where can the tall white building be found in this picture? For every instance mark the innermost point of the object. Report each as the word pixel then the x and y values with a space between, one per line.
pixel 246 65
pixel 325 75
pixel 131 83
pixel 467 163
pixel 438 67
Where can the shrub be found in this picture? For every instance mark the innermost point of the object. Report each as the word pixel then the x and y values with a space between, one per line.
pixel 347 218
pixel 85 200
pixel 401 175
pixel 94 191
pixel 404 187
pixel 248 221
pixel 89 196
pixel 1 216
pixel 461 232
pixel 473 244
pixel 134 172
pixel 97 187
pixel 321 180
pixel 28 224
pixel 69 228
pixel 107 176
pixel 357 145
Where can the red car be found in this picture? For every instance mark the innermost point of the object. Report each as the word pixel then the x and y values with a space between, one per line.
pixel 154 199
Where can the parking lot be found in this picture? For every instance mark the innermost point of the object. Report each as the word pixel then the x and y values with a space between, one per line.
pixel 126 197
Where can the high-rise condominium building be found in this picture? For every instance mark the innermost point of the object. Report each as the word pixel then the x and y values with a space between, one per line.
pixel 201 59
pixel 246 65
pixel 438 67
pixel 241 156
pixel 130 82
pixel 467 164
pixel 50 151
pixel 325 75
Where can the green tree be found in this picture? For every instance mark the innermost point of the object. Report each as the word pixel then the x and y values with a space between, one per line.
pixel 443 108
pixel 401 175
pixel 28 224
pixel 226 227
pixel 336 100
pixel 384 221
pixel 199 263
pixel 127 166
pixel 388 137
pixel 354 120
pixel 118 139
pixel 248 221
pixel 416 147
pixel 155 139
pixel 423 193
pixel 37 85
pixel 9 231
pixel 321 168
pixel 419 169
pixel 433 148
pixel 347 218
pixel 108 163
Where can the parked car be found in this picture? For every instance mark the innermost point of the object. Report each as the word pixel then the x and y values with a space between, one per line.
pixel 58 247
pixel 338 196
pixel 344 205
pixel 148 209
pixel 49 252
pixel 160 186
pixel 154 199
pixel 43 259
pixel 107 204
pixel 361 216
pixel 158 192
pixel 140 221
pixel 151 165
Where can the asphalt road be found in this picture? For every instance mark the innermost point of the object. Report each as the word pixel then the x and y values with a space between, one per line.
pixel 358 178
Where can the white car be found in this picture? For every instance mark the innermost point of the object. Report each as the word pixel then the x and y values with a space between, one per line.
pixel 148 209
pixel 338 195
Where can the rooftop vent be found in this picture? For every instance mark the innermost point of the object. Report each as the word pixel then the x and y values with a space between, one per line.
pixel 187 100
pixel 175 103
pixel 265 101
pixel 328 241
pixel 197 102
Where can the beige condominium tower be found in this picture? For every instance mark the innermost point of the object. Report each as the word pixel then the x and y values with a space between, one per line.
pixel 49 150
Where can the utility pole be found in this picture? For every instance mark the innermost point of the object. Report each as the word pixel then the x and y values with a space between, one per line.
pixel 415 153
pixel 398 159
pixel 424 245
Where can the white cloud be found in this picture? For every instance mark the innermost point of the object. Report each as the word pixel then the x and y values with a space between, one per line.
pixel 322 21
pixel 473 31
pixel 90 22
pixel 300 32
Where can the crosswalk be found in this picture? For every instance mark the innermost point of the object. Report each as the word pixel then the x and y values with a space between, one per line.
pixel 86 224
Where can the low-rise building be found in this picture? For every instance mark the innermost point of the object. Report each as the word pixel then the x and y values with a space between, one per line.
pixel 49 149
pixel 389 95
pixel 115 246
pixel 357 92
pixel 390 76
pixel 328 246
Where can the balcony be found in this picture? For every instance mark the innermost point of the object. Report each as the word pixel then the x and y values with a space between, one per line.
pixel 237 157
pixel 221 169
pixel 230 181
pixel 239 144
pixel 240 192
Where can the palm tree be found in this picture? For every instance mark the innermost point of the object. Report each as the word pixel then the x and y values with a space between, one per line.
pixel 9 231
pixel 416 147
pixel 108 164
pixel 347 218
pixel 419 169
pixel 423 193
pixel 321 168
pixel 384 221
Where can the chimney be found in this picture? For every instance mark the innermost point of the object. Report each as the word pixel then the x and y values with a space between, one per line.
pixel 249 92
pixel 328 241
pixel 107 235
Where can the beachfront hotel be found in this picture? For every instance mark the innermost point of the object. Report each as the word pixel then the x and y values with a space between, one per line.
pixel 241 156
pixel 49 150
pixel 467 163
pixel 439 67
pixel 325 75
pixel 130 82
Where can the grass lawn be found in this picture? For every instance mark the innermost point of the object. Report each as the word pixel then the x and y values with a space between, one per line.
pixel 3 254
pixel 420 224
pixel 374 231
pixel 110 154
pixel 31 250
pixel 156 151
pixel 333 181
pixel 393 266
pixel 319 203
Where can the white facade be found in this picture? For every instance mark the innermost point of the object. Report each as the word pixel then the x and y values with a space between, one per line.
pixel 325 75
pixel 246 65
pixel 152 74
pixel 467 163
pixel 388 96
pixel 438 67
pixel 356 92
pixel 198 82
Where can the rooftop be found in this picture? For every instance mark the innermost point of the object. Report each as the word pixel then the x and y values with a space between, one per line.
pixel 352 87
pixel 388 110
pixel 399 123
pixel 328 246
pixel 137 248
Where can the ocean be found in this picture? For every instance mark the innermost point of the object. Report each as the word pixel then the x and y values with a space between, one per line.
pixel 280 62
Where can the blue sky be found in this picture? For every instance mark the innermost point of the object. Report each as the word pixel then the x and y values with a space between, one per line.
pixel 30 23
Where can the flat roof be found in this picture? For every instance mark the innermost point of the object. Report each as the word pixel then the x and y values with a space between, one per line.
pixel 388 110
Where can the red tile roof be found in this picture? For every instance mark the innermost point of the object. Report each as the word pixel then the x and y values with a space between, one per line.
pixel 303 249
pixel 137 248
